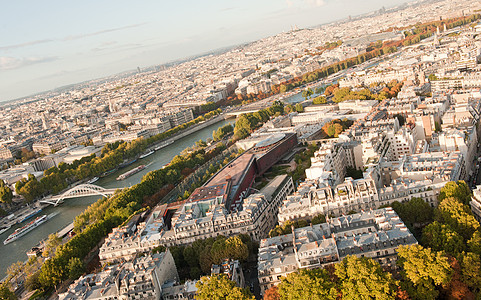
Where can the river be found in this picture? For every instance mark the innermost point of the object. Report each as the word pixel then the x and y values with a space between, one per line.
pixel 16 251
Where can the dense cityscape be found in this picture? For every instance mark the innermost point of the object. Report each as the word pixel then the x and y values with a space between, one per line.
pixel 334 162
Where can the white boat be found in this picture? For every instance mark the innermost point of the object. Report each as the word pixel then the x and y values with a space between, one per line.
pixel 92 180
pixel 146 154
pixel 4 228
pixel 25 229
pixel 131 172
pixel 165 144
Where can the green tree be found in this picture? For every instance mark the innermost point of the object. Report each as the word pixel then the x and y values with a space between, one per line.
pixel 318 219
pixel 458 216
pixel 219 287
pixel 76 267
pixel 414 213
pixel 6 194
pixel 319 100
pixel 459 190
pixel 307 284
pixel 236 249
pixel 53 241
pixel 471 270
pixel 299 108
pixel 474 243
pixel 6 294
pixel 363 278
pixel 441 237
pixel 424 269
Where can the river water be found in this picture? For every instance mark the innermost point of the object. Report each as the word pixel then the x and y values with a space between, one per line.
pixel 16 251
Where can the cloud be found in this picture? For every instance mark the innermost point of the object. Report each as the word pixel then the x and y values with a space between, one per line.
pixel 10 63
pixel 317 3
pixel 227 9
pixel 68 38
pixel 305 3
pixel 26 44
pixel 81 36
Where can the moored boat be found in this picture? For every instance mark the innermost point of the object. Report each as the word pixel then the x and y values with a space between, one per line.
pixel 146 154
pixel 25 229
pixel 131 172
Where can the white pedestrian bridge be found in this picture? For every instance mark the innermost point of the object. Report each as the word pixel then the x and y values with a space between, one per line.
pixel 81 190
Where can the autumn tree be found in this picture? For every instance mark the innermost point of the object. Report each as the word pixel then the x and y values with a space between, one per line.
pixel 219 287
pixel 272 293
pixel 6 194
pixel 458 216
pixel 307 284
pixel 363 278
pixel 424 270
pixel 459 190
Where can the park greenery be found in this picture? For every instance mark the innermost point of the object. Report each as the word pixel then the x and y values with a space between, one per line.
pixel 303 162
pixel 445 265
pixel 219 287
pixel 247 123
pixel 335 127
pixel 195 260
pixel 6 194
pixel 221 132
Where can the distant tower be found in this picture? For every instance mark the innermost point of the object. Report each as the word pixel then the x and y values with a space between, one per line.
pixel 44 122
pixel 437 30
pixel 111 106
pixel 138 69
pixel 436 40
pixel 445 27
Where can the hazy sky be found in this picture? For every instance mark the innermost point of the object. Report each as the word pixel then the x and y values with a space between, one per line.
pixel 51 43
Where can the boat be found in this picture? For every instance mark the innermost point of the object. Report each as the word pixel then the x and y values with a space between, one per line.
pixel 144 155
pixel 4 228
pixel 25 229
pixel 131 172
pixel 108 172
pixel 29 215
pixel 92 180
pixel 165 144
pixel 127 163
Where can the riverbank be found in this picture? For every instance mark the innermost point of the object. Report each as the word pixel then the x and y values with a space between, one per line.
pixel 72 207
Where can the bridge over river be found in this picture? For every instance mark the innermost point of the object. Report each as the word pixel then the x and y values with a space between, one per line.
pixel 82 190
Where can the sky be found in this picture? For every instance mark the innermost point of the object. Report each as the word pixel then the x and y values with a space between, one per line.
pixel 51 43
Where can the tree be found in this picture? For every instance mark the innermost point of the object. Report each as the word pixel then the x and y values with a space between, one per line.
pixel 424 269
pixel 307 284
pixel 6 194
pixel 432 77
pixel 363 278
pixel 415 212
pixel 6 294
pixel 51 244
pixel 459 190
pixel 299 108
pixel 441 237
pixel 76 267
pixel 474 243
pixel 471 271
pixel 318 219
pixel 458 216
pixel 319 100
pixel 219 287
pixel 272 293
pixel 236 249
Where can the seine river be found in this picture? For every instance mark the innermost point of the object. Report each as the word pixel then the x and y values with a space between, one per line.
pixel 16 251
